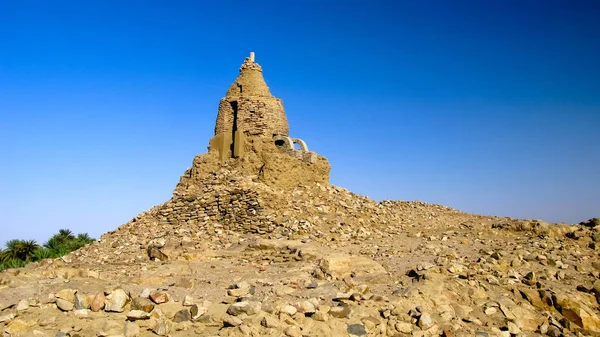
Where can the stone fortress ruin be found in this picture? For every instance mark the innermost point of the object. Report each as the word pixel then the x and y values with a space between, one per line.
pixel 250 158
pixel 250 110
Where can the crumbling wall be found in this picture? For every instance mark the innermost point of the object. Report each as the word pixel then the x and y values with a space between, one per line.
pixel 286 171
pixel 265 117
pixel 224 121
pixel 258 112
pixel 256 117
pixel 263 161
pixel 232 208
pixel 229 195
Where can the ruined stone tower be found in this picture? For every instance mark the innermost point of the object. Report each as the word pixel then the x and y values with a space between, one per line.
pixel 252 139
pixel 249 110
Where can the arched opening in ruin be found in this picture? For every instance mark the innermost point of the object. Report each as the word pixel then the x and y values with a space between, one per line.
pixel 299 144
pixel 283 142
pixel 280 143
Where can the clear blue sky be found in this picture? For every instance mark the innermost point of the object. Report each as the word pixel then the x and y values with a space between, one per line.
pixel 491 107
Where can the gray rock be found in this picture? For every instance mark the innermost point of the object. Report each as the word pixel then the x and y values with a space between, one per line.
pixel 340 312
pixel 357 330
pixel 312 285
pixel 82 302
pixel 248 308
pixel 183 315
pixel 553 331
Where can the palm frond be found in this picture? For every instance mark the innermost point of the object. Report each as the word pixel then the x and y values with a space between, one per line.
pixel 67 234
pixel 84 237
pixel 12 263
pixel 41 253
pixel 53 243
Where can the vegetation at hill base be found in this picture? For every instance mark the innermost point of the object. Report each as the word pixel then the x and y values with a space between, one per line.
pixel 18 253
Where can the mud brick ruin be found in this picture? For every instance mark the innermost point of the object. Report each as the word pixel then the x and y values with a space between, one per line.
pixel 251 148
pixel 249 110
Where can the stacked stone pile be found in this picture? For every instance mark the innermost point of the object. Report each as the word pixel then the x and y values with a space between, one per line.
pixel 223 205
pixel 226 205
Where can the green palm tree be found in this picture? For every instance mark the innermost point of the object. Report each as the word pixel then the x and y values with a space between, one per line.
pixel 60 251
pixel 19 249
pixel 66 235
pixel 84 238
pixel 41 253
pixel 11 250
pixel 63 238
pixel 53 243
pixel 28 247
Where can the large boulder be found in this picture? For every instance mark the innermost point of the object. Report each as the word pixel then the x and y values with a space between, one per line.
pixel 578 313
pixel 164 250
pixel 339 266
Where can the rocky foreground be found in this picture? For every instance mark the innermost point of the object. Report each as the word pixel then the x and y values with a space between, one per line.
pixel 235 257
pixel 476 276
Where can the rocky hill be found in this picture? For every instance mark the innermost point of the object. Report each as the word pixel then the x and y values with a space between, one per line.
pixel 255 241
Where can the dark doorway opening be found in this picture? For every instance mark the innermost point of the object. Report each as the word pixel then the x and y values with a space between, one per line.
pixel 280 143
pixel 234 108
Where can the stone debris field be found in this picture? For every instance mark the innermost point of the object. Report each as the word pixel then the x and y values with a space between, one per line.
pixel 255 241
